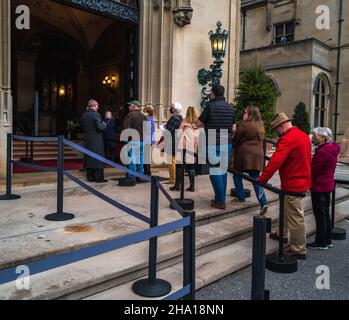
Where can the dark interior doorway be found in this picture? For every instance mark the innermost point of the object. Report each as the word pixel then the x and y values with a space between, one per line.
pixel 66 57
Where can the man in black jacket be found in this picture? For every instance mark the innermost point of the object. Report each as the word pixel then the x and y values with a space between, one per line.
pixel 93 128
pixel 218 118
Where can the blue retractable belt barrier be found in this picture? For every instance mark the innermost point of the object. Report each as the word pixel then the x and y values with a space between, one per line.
pixel 35 139
pixel 174 204
pixel 33 166
pixel 179 294
pixel 106 161
pixel 107 199
pixel 8 275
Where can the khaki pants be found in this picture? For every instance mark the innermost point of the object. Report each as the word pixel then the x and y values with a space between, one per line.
pixel 294 224
pixel 172 170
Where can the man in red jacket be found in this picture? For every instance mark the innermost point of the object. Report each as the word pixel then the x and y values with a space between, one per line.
pixel 293 160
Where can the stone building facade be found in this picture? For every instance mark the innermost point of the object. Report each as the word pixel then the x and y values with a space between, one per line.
pixel 170 45
pixel 284 37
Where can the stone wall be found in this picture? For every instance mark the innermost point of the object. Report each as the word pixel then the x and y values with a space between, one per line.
pixel 171 56
pixel 260 20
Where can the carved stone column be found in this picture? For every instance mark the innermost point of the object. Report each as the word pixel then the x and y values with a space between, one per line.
pixel 5 81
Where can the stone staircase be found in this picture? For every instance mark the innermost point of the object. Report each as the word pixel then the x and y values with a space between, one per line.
pixel 42 151
pixel 223 246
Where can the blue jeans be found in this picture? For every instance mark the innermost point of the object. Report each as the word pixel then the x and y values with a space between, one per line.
pixel 137 157
pixel 218 175
pixel 240 191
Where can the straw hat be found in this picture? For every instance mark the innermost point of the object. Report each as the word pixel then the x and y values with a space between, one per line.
pixel 279 119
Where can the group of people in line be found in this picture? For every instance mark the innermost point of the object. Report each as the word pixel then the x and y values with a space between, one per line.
pixel 243 148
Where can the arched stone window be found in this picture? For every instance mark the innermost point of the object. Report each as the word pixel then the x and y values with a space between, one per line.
pixel 276 87
pixel 321 93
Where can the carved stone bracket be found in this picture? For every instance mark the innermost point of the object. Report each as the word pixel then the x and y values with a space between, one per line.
pixel 156 5
pixel 183 12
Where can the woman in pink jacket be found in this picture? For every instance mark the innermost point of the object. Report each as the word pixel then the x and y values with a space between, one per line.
pixel 323 167
pixel 188 142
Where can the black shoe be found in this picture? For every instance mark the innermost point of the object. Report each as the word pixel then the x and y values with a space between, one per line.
pixel 102 181
pixel 191 189
pixel 175 188
pixel 317 246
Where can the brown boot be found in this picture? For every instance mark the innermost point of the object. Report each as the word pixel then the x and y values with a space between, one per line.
pixel 220 206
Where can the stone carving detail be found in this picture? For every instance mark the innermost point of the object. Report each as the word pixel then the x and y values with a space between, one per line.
pixel 167 5
pixel 156 5
pixel 183 12
pixel 111 8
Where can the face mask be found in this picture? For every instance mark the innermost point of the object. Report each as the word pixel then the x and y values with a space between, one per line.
pixel 316 142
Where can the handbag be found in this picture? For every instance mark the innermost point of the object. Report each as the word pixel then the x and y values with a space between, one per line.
pixel 231 163
pixel 161 144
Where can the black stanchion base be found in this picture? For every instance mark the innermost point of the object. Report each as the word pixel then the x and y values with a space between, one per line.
pixel 286 264
pixel 247 193
pixel 185 204
pixel 127 182
pixel 156 289
pixel 10 197
pixel 60 216
pixel 339 234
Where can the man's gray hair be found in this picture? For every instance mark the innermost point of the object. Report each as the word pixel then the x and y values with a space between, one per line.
pixel 324 132
pixel 91 103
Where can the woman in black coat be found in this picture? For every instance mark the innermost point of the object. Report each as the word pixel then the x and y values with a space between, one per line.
pixel 109 136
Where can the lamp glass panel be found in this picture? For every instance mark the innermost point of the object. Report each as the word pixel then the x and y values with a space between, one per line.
pixel 220 44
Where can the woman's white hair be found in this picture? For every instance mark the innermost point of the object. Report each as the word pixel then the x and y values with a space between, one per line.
pixel 177 107
pixel 324 132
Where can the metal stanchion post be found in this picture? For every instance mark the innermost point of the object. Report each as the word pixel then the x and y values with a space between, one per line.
pixel 278 262
pixel 60 215
pixel 185 204
pixel 337 233
pixel 9 195
pixel 261 226
pixel 153 287
pixel 189 256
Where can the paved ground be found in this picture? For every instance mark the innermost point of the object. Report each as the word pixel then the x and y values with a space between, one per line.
pixel 297 286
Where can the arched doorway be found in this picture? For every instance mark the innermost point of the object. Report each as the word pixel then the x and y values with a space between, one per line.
pixel 321 94
pixel 65 56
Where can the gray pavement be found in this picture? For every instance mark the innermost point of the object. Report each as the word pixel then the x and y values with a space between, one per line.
pixel 297 286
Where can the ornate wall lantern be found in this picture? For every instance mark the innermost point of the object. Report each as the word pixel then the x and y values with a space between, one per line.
pixel 111 81
pixel 183 12
pixel 213 77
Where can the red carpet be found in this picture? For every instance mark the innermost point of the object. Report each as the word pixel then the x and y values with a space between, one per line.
pixel 68 165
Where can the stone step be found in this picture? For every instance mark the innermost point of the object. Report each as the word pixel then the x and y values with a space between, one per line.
pixel 212 266
pixel 101 273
